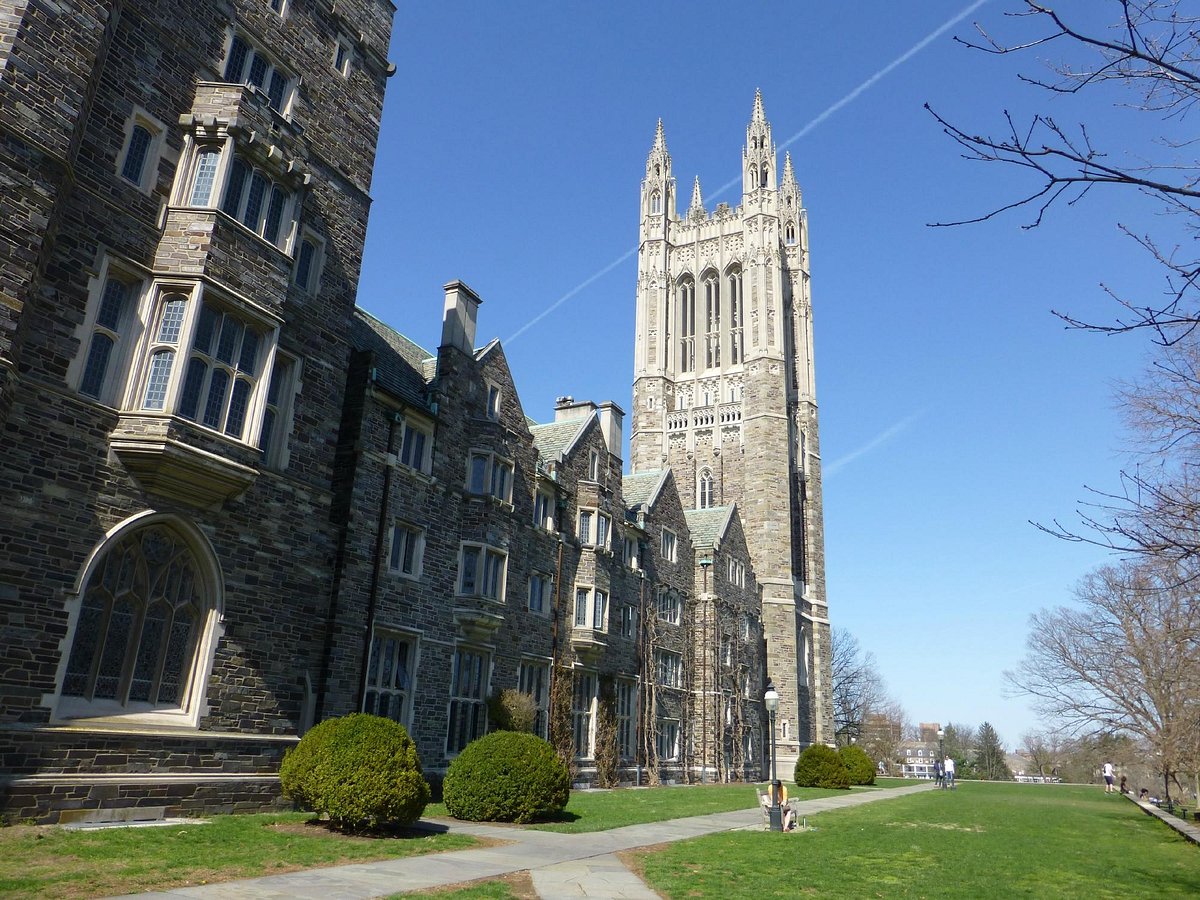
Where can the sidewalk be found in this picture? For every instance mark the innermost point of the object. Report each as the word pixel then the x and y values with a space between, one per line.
pixel 561 865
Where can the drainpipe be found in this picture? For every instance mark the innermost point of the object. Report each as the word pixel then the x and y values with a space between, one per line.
pixel 377 561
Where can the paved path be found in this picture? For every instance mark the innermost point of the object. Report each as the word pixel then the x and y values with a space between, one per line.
pixel 1184 827
pixel 561 865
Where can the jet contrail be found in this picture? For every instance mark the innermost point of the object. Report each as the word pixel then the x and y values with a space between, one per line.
pixel 829 111
pixel 879 440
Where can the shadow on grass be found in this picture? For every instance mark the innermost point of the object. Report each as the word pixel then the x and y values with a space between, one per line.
pixel 416 831
pixel 556 818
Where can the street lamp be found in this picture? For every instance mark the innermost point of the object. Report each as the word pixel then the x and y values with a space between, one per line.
pixel 941 760
pixel 774 814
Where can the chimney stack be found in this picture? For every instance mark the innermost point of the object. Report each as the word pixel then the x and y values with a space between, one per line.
pixel 459 317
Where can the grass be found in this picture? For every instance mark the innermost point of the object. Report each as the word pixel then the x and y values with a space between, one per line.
pixel 601 810
pixel 982 840
pixel 45 861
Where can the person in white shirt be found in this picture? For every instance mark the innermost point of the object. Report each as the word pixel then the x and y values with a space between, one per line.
pixel 949 766
pixel 1109 772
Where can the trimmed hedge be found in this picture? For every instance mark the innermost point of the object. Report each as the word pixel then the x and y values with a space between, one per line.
pixel 361 771
pixel 860 767
pixel 506 776
pixel 821 766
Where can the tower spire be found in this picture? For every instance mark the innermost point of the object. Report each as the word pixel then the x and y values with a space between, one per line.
pixel 660 140
pixel 758 156
pixel 696 207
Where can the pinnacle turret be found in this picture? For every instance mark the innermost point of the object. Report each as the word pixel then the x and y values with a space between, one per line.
pixel 758 116
pixel 758 156
pixel 660 140
pixel 696 207
pixel 658 163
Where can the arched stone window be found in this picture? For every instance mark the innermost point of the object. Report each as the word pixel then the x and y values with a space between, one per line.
pixel 705 489
pixel 712 320
pixel 143 637
pixel 753 176
pixel 655 203
pixel 686 290
pixel 790 233
pixel 733 279
pixel 762 176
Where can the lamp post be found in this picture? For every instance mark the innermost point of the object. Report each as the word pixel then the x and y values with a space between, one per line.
pixel 941 760
pixel 774 814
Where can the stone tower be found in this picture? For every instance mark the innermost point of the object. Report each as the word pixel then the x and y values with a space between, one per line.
pixel 724 395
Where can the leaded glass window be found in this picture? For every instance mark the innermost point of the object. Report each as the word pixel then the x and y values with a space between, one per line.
pixel 468 699
pixel 138 628
pixel 389 676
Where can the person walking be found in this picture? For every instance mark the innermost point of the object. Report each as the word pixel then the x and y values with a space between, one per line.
pixel 1109 775
pixel 938 775
pixel 948 766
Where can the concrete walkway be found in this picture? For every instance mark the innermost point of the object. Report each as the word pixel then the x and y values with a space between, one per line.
pixel 561 865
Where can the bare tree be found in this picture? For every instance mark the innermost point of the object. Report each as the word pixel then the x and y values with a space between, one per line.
pixel 857 686
pixel 1126 660
pixel 1149 59
pixel 1045 750
pixel 883 733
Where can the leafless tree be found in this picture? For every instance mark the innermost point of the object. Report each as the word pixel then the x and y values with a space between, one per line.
pixel 1125 660
pixel 1149 59
pixel 857 686
pixel 1045 749
pixel 1156 509
pixel 883 732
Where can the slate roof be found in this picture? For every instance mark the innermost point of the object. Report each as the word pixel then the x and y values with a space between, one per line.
pixel 707 525
pixel 553 438
pixel 402 368
pixel 642 488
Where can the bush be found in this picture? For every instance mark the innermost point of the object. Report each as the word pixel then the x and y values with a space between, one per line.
pixel 860 766
pixel 361 771
pixel 506 776
pixel 512 710
pixel 821 766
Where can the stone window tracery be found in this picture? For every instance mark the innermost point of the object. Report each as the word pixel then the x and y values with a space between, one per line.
pixel 705 483
pixel 687 325
pixel 389 676
pixel 145 614
pixel 733 279
pixel 712 321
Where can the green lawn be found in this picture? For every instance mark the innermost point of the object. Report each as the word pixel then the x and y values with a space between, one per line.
pixel 982 840
pixel 602 810
pixel 52 862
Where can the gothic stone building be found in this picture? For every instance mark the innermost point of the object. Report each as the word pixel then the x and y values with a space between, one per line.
pixel 184 211
pixel 724 396
pixel 483 551
pixel 236 505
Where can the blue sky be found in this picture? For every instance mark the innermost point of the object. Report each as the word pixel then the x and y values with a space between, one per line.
pixel 954 407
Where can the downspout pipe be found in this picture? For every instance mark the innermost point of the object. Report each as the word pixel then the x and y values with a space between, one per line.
pixel 377 561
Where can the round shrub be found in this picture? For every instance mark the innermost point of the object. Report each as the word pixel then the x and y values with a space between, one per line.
pixel 506 776
pixel 821 766
pixel 362 771
pixel 860 766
